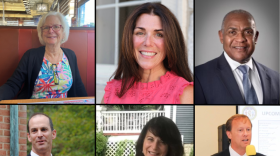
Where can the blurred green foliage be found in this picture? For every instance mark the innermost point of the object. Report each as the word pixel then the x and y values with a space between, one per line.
pixel 122 146
pixel 101 144
pixel 191 154
pixel 75 126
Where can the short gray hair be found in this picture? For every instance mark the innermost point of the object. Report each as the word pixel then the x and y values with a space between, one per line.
pixel 237 11
pixel 63 23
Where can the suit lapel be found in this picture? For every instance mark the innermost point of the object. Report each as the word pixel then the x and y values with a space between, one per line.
pixel 229 81
pixel 265 81
pixel 227 152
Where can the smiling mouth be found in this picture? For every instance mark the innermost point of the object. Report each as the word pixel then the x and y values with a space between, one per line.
pixel 240 47
pixel 52 37
pixel 153 153
pixel 148 53
pixel 245 140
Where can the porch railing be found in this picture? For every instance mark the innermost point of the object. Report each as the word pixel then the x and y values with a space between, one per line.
pixel 126 121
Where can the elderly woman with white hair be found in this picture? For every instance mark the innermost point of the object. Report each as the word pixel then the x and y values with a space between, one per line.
pixel 49 71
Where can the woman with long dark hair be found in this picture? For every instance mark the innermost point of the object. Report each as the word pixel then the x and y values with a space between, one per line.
pixel 153 66
pixel 160 136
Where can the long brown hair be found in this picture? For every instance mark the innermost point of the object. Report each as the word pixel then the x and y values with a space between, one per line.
pixel 176 53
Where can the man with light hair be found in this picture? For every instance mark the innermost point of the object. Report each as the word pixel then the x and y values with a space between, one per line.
pixel 239 133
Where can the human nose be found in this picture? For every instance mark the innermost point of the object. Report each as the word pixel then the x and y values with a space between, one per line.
pixel 40 134
pixel 240 37
pixel 148 40
pixel 246 132
pixel 50 29
pixel 155 145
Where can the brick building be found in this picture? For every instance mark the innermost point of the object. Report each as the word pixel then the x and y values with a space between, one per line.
pixel 5 130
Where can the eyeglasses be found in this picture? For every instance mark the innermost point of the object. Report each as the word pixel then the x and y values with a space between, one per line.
pixel 54 28
pixel 55 74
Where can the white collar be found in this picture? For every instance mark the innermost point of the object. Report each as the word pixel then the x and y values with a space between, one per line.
pixel 34 154
pixel 234 64
pixel 232 152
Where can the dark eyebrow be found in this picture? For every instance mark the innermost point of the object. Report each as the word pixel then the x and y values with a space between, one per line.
pixel 140 28
pixel 33 129
pixel 39 128
pixel 159 30
pixel 144 29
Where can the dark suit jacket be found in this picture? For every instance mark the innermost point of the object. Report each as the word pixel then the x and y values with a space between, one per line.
pixel 226 153
pixel 215 83
pixel 29 154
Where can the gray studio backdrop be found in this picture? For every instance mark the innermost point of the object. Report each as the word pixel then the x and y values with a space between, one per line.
pixel 208 21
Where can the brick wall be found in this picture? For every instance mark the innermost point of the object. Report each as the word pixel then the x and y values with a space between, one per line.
pixel 5 130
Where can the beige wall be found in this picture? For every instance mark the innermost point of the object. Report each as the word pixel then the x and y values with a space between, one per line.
pixel 207 120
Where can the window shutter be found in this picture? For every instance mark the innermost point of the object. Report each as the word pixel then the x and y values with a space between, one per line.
pixel 184 121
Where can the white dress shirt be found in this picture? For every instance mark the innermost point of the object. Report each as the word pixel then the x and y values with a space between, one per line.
pixel 233 153
pixel 34 154
pixel 253 75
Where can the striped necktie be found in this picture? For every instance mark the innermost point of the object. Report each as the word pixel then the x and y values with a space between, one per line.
pixel 249 91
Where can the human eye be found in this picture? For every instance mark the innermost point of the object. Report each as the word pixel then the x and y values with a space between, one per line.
pixel 162 142
pixel 159 35
pixel 46 28
pixel 139 33
pixel 56 26
pixel 150 139
pixel 34 130
pixel 250 32
pixel 232 32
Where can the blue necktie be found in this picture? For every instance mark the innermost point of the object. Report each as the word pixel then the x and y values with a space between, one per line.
pixel 249 91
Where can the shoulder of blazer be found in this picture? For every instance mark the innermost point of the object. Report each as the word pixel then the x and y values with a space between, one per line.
pixel 259 154
pixel 209 67
pixel 266 69
pixel 69 53
pixel 223 153
pixel 34 53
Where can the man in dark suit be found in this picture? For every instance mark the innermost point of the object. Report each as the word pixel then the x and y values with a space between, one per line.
pixel 239 132
pixel 235 77
pixel 40 134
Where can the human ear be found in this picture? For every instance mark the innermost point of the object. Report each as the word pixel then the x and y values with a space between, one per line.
pixel 54 134
pixel 221 36
pixel 228 134
pixel 256 37
pixel 28 136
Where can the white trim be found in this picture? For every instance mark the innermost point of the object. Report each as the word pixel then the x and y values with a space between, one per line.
pixel 122 112
pixel 121 138
pixel 117 19
pixel 174 113
pixel 167 110
pixel 124 4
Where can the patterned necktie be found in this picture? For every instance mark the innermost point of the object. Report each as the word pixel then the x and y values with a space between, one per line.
pixel 249 91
